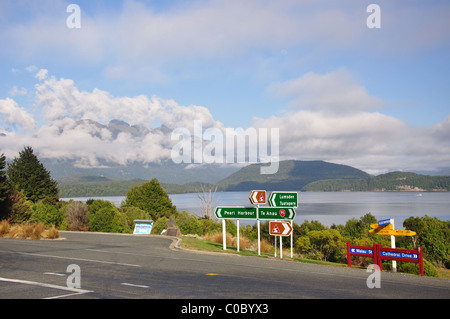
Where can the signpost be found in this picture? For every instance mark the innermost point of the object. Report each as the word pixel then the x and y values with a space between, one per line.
pixel 283 204
pixel 276 213
pixel 257 197
pixel 394 232
pixel 280 228
pixel 236 212
pixel 283 199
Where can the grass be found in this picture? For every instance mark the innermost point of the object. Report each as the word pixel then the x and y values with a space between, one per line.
pixel 208 244
pixel 25 231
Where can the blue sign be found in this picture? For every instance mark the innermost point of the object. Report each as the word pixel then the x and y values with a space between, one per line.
pixel 361 251
pixel 399 255
pixel 384 222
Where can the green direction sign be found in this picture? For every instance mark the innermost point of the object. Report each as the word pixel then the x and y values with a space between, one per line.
pixel 274 213
pixel 283 199
pixel 236 212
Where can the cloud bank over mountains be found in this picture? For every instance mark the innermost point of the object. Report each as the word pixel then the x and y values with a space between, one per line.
pixel 329 117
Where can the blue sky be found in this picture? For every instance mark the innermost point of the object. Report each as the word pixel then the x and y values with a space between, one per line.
pixel 376 98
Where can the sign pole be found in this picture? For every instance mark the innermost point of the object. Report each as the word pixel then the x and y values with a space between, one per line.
pixel 224 230
pixel 292 238
pixel 281 248
pixel 394 262
pixel 275 246
pixel 259 230
pixel 237 235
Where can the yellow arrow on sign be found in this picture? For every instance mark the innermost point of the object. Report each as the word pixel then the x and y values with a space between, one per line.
pixel 375 226
pixel 395 232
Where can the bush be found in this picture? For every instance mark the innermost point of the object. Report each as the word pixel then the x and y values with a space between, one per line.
pixel 105 217
pixel 47 214
pixel 4 228
pixel 159 225
pixel 132 213
pixel 188 224
pixel 77 216
pixel 413 268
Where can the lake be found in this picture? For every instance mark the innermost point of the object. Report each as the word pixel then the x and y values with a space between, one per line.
pixel 332 207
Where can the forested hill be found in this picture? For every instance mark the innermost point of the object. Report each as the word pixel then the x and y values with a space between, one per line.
pixel 291 175
pixel 395 181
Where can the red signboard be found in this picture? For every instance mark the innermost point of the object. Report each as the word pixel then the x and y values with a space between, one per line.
pixel 378 253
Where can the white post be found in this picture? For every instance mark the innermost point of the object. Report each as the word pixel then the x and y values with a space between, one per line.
pixel 275 246
pixel 237 235
pixel 281 247
pixel 259 237
pixel 292 238
pixel 224 230
pixel 394 262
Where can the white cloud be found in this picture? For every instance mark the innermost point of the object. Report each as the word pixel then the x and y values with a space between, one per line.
pixel 333 118
pixel 15 115
pixel 16 91
pixel 42 74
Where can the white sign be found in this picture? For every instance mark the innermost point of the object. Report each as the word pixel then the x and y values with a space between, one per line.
pixel 143 228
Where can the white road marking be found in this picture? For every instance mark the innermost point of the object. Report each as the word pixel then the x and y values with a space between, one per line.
pixel 76 291
pixel 133 285
pixel 82 259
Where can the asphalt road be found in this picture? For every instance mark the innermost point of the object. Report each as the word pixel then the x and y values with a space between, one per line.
pixel 131 266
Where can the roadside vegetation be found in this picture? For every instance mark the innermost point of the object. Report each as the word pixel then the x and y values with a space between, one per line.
pixel 30 208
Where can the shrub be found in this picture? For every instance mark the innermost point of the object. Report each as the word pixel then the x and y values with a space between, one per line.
pixel 38 230
pixel 77 216
pixel 159 225
pixel 413 268
pixel 47 214
pixel 188 224
pixel 4 228
pixel 52 233
pixel 106 220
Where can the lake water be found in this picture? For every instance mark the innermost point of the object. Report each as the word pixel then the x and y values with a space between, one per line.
pixel 332 207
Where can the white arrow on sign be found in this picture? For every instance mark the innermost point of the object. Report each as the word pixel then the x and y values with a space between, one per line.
pixel 218 213
pixel 287 229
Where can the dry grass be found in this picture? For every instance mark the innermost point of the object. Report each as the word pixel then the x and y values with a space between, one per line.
pixel 52 233
pixel 4 228
pixel 24 231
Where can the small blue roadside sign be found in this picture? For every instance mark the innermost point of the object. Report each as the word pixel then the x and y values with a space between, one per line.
pixel 361 251
pixel 384 222
pixel 143 227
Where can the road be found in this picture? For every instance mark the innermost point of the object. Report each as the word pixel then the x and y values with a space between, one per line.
pixel 131 266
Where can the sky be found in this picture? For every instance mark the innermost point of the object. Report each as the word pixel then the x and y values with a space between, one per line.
pixel 336 88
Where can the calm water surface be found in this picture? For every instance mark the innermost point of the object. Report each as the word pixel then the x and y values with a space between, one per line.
pixel 332 208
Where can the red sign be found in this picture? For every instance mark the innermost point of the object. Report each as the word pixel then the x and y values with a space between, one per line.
pixel 280 228
pixel 258 197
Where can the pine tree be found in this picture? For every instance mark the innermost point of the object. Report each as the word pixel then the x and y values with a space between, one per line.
pixel 26 173
pixel 4 186
pixel 151 198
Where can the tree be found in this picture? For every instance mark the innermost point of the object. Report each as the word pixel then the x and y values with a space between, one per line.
pixel 26 173
pixel 5 188
pixel 105 217
pixel 151 198
pixel 207 200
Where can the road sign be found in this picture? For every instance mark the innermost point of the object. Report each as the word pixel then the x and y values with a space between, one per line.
pixel 395 232
pixel 276 213
pixel 257 197
pixel 384 222
pixel 236 212
pixel 385 227
pixel 283 199
pixel 280 228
